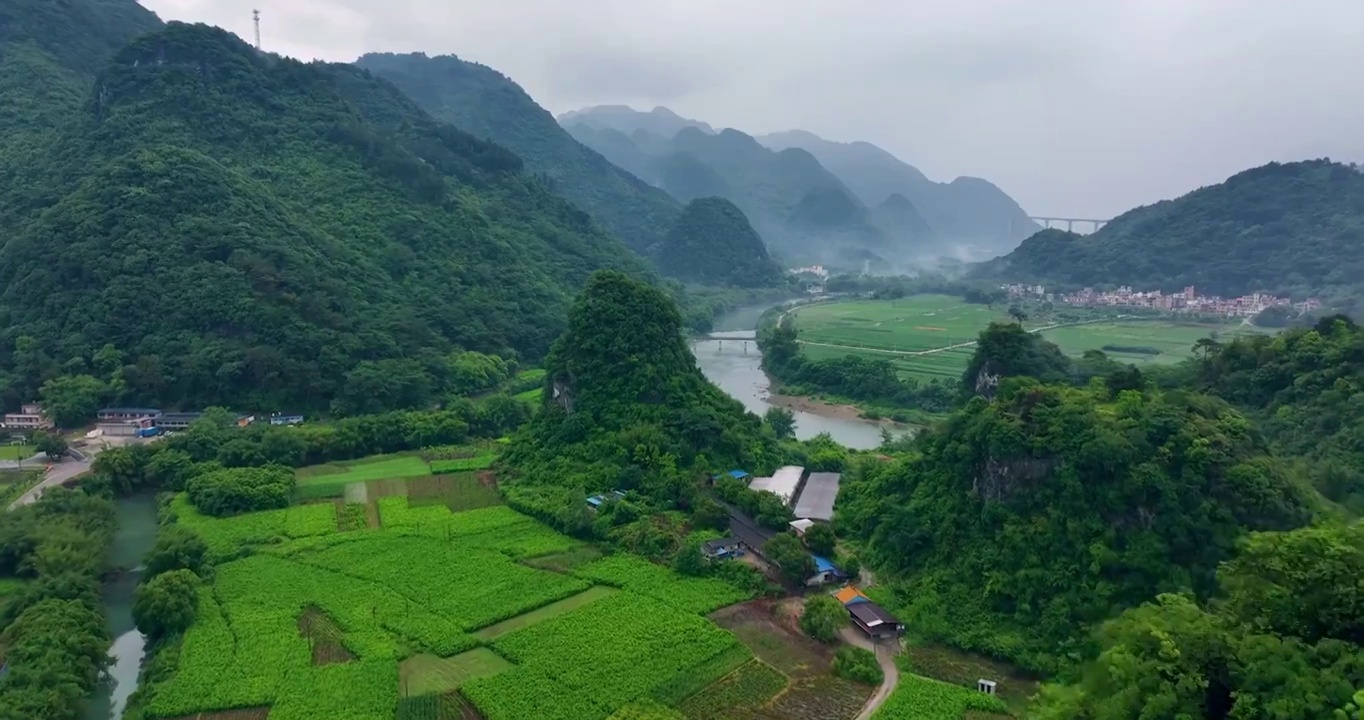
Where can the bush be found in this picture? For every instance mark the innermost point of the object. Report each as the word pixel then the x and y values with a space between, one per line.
pixel 823 617
pixel 166 604
pixel 239 490
pixel 855 663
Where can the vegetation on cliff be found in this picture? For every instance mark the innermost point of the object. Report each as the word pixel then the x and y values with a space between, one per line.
pixel 713 243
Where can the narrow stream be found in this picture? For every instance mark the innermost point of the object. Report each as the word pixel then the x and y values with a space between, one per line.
pixel 135 535
pixel 735 366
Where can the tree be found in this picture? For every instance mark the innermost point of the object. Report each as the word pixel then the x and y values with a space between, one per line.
pixel 709 515
pixel 688 560
pixel 72 401
pixel 166 604
pixel 822 618
pixel 176 548
pixel 50 444
pixel 782 421
pixel 1017 314
pixel 859 664
pixel 820 539
pixel 786 552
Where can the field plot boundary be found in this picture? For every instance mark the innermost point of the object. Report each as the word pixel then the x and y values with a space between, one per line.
pixel 545 612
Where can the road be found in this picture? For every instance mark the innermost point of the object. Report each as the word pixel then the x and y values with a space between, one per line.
pixel 887 662
pixel 58 474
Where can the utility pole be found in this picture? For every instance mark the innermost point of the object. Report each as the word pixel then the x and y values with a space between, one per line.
pixel 255 17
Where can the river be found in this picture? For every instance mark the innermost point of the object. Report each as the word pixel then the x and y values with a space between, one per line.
pixel 135 535
pixel 734 364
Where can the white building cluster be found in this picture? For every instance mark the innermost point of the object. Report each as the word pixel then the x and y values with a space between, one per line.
pixel 1186 301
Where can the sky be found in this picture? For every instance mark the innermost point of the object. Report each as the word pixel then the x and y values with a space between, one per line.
pixel 1080 108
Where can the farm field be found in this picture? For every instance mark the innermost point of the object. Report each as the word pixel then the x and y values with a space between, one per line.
pixel 959 668
pixel 17 452
pixel 919 698
pixel 876 329
pixel 432 614
pixel 373 468
pixel 1173 340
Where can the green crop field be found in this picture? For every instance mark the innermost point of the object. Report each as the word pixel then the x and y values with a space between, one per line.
pixel 372 468
pixel 877 328
pixel 919 322
pixel 308 621
pixel 919 698
pixel 17 452
pixel 428 674
pixel 1173 340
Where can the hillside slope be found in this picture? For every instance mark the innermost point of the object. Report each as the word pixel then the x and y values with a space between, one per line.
pixel 254 231
pixel 1295 228
pixel 771 188
pixel 713 242
pixel 487 104
pixel 965 212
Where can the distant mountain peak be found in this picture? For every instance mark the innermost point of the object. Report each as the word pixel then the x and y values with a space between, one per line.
pixel 659 121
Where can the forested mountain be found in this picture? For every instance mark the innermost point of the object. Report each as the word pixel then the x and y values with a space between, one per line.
pixel 712 242
pixel 487 104
pixel 802 211
pixel 222 227
pixel 900 220
pixel 1024 520
pixel 660 121
pixel 965 213
pixel 1295 228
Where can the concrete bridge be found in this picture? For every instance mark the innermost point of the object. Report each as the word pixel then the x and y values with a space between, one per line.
pixel 749 335
pixel 1070 222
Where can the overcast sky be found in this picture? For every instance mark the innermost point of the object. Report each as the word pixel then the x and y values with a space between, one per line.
pixel 1074 107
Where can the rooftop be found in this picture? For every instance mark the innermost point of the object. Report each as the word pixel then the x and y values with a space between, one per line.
pixel 130 411
pixel 737 474
pixel 720 543
pixel 872 614
pixel 817 498
pixel 850 596
pixel 823 564
pixel 783 482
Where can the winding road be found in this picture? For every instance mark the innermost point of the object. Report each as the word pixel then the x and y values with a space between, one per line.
pixel 887 662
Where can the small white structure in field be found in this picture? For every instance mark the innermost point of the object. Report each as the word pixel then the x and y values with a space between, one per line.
pixel 986 686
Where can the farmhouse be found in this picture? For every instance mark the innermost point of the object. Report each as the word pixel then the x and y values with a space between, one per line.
pixel 29 417
pixel 783 483
pixel 816 501
pixel 722 548
pixel 850 596
pixel 127 413
pixel 177 420
pixel 825 572
pixel 874 621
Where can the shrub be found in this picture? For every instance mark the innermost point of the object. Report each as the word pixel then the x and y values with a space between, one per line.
pixel 823 617
pixel 239 490
pixel 855 663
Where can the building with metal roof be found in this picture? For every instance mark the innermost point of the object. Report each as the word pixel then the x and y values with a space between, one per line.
pixel 850 596
pixel 873 620
pixel 783 483
pixel 816 500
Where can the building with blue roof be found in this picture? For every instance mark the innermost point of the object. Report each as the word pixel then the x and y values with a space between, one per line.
pixel 825 572
pixel 738 474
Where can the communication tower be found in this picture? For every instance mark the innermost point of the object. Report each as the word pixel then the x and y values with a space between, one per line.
pixel 255 17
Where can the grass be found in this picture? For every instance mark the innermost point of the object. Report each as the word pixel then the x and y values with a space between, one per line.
pixel 464 491
pixel 961 668
pixel 17 452
pixel 428 674
pixel 568 561
pixel 1173 339
pixel 927 322
pixel 382 467
pixel 551 610
pixel 14 483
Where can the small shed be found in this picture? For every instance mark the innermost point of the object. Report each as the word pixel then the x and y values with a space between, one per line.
pixel 722 548
pixel 800 526
pixel 596 500
pixel 737 474
pixel 286 418
pixel 825 572
pixel 873 620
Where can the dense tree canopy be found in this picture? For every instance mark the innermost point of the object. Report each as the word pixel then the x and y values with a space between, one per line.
pixel 713 243
pixel 1291 228
pixel 274 226
pixel 487 104
pixel 1022 521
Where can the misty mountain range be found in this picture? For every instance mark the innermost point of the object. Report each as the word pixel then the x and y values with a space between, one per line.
pixel 810 198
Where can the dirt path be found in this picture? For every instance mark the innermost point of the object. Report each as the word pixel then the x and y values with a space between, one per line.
pixel 887 662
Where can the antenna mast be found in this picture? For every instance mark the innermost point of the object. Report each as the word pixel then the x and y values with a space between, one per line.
pixel 255 17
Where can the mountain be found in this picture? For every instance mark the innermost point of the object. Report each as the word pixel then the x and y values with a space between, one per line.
pixel 659 121
pixel 779 192
pixel 487 104
pixel 965 212
pixel 713 243
pixel 1295 228
pixel 229 228
pixel 898 218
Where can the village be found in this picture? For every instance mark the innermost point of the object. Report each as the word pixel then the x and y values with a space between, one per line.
pixel 1187 301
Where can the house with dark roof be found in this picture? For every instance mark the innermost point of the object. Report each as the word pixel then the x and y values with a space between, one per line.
pixel 722 548
pixel 127 413
pixel 873 620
